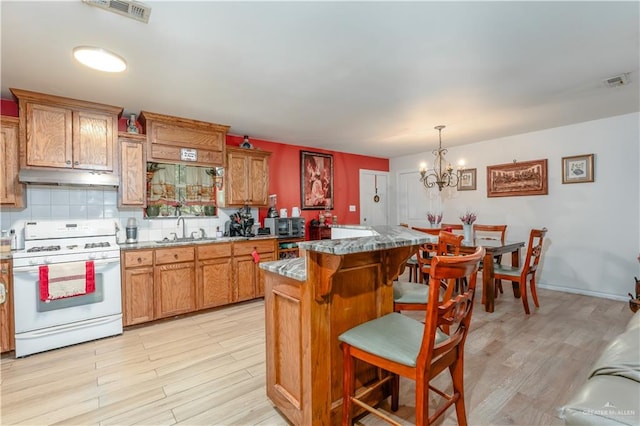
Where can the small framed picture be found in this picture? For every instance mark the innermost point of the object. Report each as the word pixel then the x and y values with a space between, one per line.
pixel 467 180
pixel 577 169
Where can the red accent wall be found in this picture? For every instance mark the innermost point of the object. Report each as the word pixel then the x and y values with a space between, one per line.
pixel 284 177
pixel 8 107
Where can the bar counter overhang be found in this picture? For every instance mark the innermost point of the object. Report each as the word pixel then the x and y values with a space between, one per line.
pixel 309 301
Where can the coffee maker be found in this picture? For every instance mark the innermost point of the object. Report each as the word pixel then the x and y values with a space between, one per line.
pixel 273 211
pixel 131 231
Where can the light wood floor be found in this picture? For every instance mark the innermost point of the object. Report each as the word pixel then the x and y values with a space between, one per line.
pixel 209 369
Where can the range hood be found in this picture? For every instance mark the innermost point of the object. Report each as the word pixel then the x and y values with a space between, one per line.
pixel 68 177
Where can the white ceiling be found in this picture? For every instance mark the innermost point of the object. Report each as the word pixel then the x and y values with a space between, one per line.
pixel 370 78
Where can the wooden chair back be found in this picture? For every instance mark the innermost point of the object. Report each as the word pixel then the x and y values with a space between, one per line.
pixel 431 231
pixel 490 232
pixel 453 226
pixel 534 251
pixel 454 313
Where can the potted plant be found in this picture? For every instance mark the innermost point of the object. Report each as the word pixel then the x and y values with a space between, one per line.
pixel 153 210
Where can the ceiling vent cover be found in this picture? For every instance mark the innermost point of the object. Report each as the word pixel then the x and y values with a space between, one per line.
pixel 618 80
pixel 132 9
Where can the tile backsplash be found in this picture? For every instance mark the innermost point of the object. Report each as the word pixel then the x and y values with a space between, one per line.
pixel 61 202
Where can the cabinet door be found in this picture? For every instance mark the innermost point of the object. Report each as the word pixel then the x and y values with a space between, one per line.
pixel 49 136
pixel 245 282
pixel 264 257
pixel 7 337
pixel 132 188
pixel 175 289
pixel 138 295
pixel 214 278
pixel 258 180
pixel 10 188
pixel 93 135
pixel 237 179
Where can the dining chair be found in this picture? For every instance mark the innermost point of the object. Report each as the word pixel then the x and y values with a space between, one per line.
pixel 411 263
pixel 402 346
pixel 413 296
pixel 453 226
pixel 491 232
pixel 527 270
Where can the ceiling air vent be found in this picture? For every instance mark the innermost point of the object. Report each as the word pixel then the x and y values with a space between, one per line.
pixel 132 9
pixel 618 80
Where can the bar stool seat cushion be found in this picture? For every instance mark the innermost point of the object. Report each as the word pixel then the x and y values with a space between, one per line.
pixel 394 336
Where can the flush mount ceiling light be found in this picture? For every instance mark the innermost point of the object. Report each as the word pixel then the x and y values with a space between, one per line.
pixel 99 59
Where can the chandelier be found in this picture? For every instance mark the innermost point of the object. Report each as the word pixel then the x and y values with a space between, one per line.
pixel 441 175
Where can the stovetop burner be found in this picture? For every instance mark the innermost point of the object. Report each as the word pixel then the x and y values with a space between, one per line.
pixel 97 245
pixel 43 248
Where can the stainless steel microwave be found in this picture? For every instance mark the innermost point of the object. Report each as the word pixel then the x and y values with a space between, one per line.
pixel 290 227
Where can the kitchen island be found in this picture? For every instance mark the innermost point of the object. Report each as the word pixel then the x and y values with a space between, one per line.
pixel 309 301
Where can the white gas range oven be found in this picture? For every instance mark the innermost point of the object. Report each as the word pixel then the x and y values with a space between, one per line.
pixel 66 284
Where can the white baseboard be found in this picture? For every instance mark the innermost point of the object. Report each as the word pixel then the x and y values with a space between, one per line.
pixel 583 292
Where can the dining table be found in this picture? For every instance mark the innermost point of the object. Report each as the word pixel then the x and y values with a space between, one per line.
pixel 494 248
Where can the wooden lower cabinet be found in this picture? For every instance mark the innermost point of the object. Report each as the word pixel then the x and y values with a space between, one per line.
pixel 7 337
pixel 137 287
pixel 214 276
pixel 248 284
pixel 174 281
pixel 162 282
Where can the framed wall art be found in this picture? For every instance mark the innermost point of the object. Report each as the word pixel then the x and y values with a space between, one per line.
pixel 577 169
pixel 316 180
pixel 467 180
pixel 518 178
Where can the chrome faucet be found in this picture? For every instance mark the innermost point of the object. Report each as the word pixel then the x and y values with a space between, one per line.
pixel 184 226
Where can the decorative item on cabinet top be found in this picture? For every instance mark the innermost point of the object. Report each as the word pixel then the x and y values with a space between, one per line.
pixel 179 140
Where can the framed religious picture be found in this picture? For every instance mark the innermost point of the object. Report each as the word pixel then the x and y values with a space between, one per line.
pixel 517 178
pixel 577 169
pixel 467 180
pixel 316 180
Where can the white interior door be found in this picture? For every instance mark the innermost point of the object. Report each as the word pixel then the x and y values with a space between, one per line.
pixel 374 200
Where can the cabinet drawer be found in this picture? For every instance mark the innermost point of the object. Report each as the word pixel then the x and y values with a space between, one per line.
pixel 173 255
pixel 211 251
pixel 138 258
pixel 248 247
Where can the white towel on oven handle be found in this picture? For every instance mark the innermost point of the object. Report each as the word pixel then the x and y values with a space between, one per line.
pixel 62 280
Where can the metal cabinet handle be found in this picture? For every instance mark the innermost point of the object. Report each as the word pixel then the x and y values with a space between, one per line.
pixel 68 161
pixel 3 293
pixel 76 163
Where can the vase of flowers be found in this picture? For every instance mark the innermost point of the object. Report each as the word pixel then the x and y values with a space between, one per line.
pixel 467 226
pixel 434 219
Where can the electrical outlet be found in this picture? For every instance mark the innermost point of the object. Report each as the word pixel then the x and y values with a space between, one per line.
pixel 352 208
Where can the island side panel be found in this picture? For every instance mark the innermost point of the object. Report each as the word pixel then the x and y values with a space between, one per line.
pixel 284 351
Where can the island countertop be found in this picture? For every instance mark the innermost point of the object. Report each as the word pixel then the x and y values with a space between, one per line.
pixel 383 237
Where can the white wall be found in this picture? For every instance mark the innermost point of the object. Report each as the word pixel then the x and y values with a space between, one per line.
pixel 594 232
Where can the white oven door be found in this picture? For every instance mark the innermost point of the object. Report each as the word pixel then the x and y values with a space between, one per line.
pixel 33 314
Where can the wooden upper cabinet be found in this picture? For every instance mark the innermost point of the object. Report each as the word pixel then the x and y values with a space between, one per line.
pixel 247 177
pixel 66 133
pixel 132 189
pixel 11 191
pixel 182 140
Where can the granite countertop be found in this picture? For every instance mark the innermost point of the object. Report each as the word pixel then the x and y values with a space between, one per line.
pixel 168 243
pixel 385 237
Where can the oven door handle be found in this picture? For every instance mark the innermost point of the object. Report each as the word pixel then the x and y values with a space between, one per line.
pixel 34 268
